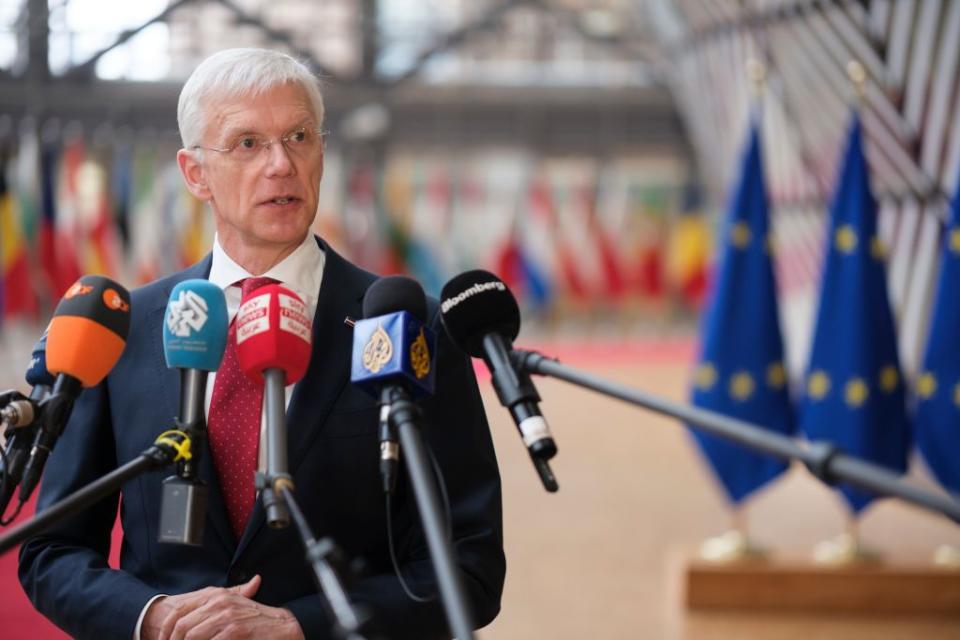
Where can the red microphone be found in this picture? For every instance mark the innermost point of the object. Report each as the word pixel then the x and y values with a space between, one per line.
pixel 273 344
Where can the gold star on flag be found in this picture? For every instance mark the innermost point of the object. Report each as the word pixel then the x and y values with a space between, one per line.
pixel 855 393
pixel 956 394
pixel 889 378
pixel 741 385
pixel 877 249
pixel 704 377
pixel 926 385
pixel 818 384
pixel 845 239
pixel 776 375
pixel 955 240
pixel 740 235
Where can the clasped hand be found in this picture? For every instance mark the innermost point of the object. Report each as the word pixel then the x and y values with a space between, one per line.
pixel 218 612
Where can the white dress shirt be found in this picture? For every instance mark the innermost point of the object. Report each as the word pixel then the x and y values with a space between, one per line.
pixel 301 272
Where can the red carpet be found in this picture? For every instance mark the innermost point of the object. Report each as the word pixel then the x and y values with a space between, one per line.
pixel 18 619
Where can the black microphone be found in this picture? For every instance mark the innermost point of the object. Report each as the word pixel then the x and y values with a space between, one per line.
pixel 482 317
pixel 84 340
pixel 194 338
pixel 392 350
pixel 20 417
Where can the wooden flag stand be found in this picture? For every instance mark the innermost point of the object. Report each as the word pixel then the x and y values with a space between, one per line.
pixel 785 583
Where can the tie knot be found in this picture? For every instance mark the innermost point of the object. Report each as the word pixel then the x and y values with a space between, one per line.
pixel 249 285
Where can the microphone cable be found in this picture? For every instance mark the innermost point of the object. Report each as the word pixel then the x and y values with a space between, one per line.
pixel 442 485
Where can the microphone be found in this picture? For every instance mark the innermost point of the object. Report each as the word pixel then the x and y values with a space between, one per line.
pixel 194 338
pixel 20 417
pixel 393 349
pixel 481 317
pixel 84 340
pixel 273 344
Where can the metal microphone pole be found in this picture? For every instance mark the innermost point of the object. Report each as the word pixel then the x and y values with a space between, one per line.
pixel 347 619
pixel 824 460
pixel 166 450
pixel 405 416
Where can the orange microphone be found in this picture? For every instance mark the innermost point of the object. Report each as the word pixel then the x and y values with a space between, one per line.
pixel 84 341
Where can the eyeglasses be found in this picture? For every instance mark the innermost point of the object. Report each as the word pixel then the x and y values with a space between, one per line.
pixel 301 143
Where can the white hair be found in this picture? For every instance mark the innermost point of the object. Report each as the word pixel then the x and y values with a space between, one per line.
pixel 235 73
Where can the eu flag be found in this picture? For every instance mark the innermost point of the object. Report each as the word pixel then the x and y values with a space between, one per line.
pixel 854 393
pixel 938 386
pixel 740 372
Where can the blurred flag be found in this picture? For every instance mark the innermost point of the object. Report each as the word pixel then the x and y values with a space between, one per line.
pixel 854 394
pixel 19 297
pixel 938 386
pixel 741 371
pixel 688 252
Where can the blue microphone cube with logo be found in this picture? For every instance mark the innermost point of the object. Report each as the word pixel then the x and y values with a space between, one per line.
pixel 393 348
pixel 195 326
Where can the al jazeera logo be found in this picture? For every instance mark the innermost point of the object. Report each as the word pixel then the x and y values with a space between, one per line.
pixel 420 356
pixel 378 351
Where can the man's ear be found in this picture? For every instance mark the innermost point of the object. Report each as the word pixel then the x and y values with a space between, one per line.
pixel 193 174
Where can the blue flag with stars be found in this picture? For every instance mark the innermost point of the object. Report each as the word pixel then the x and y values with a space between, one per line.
pixel 938 385
pixel 740 371
pixel 854 393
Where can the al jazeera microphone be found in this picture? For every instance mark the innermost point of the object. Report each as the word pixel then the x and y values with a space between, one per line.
pixel 84 341
pixel 273 346
pixel 194 338
pixel 393 350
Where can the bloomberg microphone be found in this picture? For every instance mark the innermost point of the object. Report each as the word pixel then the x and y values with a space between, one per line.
pixel 21 418
pixel 273 345
pixel 482 317
pixel 194 338
pixel 393 350
pixel 84 340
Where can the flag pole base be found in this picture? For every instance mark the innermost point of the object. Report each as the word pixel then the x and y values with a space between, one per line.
pixel 732 546
pixel 845 549
pixel 947 557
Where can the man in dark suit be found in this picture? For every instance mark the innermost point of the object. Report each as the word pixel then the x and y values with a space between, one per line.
pixel 250 122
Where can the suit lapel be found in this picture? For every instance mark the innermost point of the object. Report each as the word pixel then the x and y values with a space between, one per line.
pixel 340 296
pixel 216 507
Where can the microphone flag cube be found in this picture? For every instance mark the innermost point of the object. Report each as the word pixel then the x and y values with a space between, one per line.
pixel 395 348
pixel 195 326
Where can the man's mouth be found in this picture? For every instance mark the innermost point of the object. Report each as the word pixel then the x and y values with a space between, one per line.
pixel 282 200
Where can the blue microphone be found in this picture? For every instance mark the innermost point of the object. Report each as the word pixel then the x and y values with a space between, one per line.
pixel 20 417
pixel 194 338
pixel 37 375
pixel 393 350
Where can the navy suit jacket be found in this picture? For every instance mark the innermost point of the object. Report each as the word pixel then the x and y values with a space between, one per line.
pixel 333 458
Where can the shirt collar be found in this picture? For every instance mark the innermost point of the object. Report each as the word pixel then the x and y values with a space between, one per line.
pixel 301 271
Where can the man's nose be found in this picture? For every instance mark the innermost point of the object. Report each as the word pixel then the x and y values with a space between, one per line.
pixel 279 161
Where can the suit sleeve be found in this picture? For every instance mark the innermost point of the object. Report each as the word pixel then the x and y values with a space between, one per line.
pixel 64 572
pixel 455 429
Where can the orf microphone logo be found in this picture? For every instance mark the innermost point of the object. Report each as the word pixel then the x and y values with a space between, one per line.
pixel 187 313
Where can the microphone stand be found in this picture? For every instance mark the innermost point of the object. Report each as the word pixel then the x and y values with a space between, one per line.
pixel 322 556
pixel 823 459
pixel 164 451
pixel 405 417
pixel 276 479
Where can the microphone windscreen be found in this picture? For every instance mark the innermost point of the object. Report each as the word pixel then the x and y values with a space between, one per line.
pixel 395 293
pixel 273 332
pixel 37 373
pixel 391 345
pixel 195 326
pixel 474 304
pixel 89 330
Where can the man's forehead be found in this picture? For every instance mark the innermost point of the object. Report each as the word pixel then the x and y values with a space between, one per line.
pixel 283 105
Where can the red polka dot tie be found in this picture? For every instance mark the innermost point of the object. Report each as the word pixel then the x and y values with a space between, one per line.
pixel 233 426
